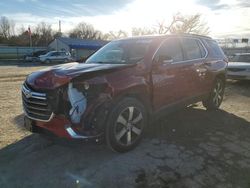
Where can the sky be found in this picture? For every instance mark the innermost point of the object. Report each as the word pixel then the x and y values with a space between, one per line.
pixel 225 18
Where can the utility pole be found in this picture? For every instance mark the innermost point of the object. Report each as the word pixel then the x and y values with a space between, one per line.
pixel 29 32
pixel 60 26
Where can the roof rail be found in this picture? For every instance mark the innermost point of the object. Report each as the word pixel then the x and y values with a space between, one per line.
pixel 195 35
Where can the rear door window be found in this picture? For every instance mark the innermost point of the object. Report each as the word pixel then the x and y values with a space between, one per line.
pixel 171 48
pixel 192 49
pixel 202 49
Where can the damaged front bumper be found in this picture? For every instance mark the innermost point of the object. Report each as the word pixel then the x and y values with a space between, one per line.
pixel 38 111
pixel 70 111
pixel 61 127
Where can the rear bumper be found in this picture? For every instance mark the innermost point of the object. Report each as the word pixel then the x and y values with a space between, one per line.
pixel 61 127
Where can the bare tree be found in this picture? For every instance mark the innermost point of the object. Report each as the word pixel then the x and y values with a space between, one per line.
pixel 162 28
pixel 184 24
pixel 57 34
pixel 115 35
pixel 190 24
pixel 7 27
pixel 85 31
pixel 138 31
pixel 42 34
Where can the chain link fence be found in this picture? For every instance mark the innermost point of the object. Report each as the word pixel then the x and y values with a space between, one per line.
pixel 15 53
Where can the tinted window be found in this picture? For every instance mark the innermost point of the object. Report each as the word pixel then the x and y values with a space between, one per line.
pixel 202 49
pixel 171 48
pixel 241 58
pixel 54 54
pixel 138 50
pixel 121 51
pixel 191 49
pixel 214 48
pixel 62 53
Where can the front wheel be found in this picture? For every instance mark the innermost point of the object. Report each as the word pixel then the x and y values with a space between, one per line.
pixel 125 125
pixel 216 96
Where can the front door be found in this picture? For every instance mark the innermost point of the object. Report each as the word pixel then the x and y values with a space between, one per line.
pixel 169 77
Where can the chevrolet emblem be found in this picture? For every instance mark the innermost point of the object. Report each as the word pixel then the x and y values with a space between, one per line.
pixel 27 94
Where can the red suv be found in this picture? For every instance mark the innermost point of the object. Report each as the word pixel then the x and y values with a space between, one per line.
pixel 124 84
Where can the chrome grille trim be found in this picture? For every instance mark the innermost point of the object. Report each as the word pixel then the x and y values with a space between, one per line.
pixel 35 105
pixel 36 95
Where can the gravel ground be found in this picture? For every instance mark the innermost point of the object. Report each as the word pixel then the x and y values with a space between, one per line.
pixel 189 148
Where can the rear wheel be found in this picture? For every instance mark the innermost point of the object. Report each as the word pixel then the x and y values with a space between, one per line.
pixel 216 96
pixel 125 125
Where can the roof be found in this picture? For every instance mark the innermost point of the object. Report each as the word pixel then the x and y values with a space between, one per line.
pixel 77 43
pixel 165 36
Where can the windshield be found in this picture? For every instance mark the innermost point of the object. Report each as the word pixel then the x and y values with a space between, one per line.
pixel 121 52
pixel 241 58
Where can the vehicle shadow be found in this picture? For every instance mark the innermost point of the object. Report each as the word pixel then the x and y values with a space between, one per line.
pixel 175 147
pixel 190 126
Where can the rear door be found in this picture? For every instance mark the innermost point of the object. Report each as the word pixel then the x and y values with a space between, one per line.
pixel 169 79
pixel 194 60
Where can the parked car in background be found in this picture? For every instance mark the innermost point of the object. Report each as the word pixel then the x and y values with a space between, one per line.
pixel 115 93
pixel 239 67
pixel 34 56
pixel 56 56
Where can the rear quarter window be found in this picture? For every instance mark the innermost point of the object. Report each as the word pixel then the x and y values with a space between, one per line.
pixel 214 49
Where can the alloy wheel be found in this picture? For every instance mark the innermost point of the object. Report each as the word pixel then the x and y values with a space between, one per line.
pixel 218 93
pixel 128 126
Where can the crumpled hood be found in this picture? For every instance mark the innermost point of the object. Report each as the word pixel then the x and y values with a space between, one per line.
pixel 238 65
pixel 58 75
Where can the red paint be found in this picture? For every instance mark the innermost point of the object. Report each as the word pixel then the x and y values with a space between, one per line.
pixel 158 86
pixel 56 126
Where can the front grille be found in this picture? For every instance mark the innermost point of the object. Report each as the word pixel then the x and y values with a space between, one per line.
pixel 36 105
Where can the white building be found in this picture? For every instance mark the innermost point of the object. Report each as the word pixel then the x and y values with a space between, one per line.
pixel 79 48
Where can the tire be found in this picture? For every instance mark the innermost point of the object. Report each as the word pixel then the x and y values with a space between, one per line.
pixel 65 61
pixel 125 125
pixel 216 95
